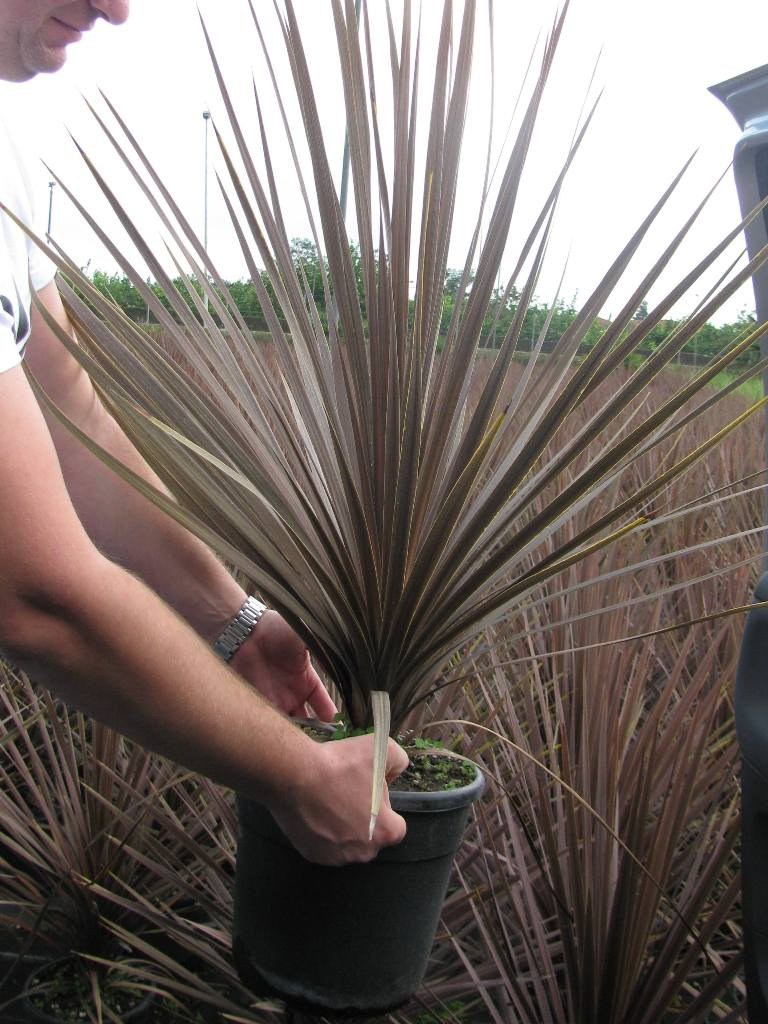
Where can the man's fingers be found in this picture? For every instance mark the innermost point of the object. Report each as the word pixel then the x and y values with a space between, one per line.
pixel 397 760
pixel 320 701
pixel 390 828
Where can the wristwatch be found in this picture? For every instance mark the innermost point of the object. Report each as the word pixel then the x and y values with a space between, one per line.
pixel 239 629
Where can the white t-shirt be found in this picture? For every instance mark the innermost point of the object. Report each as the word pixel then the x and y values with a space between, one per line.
pixel 22 264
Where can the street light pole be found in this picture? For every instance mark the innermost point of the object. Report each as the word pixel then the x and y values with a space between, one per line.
pixel 746 97
pixel 51 185
pixel 345 158
pixel 206 118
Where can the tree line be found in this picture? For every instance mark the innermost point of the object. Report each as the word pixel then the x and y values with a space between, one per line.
pixel 708 341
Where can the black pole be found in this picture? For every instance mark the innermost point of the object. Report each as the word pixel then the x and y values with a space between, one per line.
pixel 751 700
pixel 746 97
pixel 51 185
pixel 206 118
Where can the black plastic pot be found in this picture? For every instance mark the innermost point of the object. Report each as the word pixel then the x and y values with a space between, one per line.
pixel 35 1015
pixel 24 947
pixel 14 971
pixel 345 940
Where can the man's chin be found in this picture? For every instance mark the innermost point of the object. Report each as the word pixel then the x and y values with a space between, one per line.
pixel 51 61
pixel 38 60
pixel 19 75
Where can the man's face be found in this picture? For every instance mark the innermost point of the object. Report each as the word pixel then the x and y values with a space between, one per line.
pixel 35 34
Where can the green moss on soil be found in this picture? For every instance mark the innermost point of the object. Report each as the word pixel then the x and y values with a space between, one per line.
pixel 432 773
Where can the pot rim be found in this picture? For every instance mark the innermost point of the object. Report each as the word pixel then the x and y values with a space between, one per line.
pixel 135 1013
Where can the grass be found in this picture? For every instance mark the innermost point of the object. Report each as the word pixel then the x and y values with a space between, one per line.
pixel 751 390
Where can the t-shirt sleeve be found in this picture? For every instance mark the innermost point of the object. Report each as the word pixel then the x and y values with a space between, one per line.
pixel 23 264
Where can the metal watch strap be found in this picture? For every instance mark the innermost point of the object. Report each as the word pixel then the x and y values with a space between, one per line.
pixel 239 628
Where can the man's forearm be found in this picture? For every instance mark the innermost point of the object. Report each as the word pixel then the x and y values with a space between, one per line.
pixel 129 530
pixel 122 656
pixel 114 649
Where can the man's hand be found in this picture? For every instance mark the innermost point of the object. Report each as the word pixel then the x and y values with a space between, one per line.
pixel 326 812
pixel 277 664
pixel 325 806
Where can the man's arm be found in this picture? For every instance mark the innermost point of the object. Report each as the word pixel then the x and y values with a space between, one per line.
pixel 105 642
pixel 122 524
pixel 132 532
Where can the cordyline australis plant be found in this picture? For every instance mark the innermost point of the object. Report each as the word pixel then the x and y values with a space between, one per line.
pixel 112 855
pixel 557 919
pixel 344 473
pixel 73 795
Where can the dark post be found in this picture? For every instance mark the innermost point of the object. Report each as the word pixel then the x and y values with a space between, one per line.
pixel 206 119
pixel 51 186
pixel 746 96
pixel 751 701
pixel 345 157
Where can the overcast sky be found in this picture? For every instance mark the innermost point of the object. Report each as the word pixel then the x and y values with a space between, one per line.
pixel 657 59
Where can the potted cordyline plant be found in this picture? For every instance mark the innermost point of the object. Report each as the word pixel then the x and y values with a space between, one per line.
pixel 343 471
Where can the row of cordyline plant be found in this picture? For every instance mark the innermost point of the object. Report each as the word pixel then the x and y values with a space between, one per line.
pixel 112 854
pixel 601 881
pixel 598 883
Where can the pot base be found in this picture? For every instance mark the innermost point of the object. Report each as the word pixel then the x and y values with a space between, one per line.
pixel 298 1000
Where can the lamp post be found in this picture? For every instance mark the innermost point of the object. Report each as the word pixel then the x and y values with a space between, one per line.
pixel 746 97
pixel 206 118
pixel 51 185
pixel 345 158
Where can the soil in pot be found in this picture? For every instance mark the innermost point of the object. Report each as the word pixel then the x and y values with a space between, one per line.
pixel 433 772
pixel 61 991
pixel 431 768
